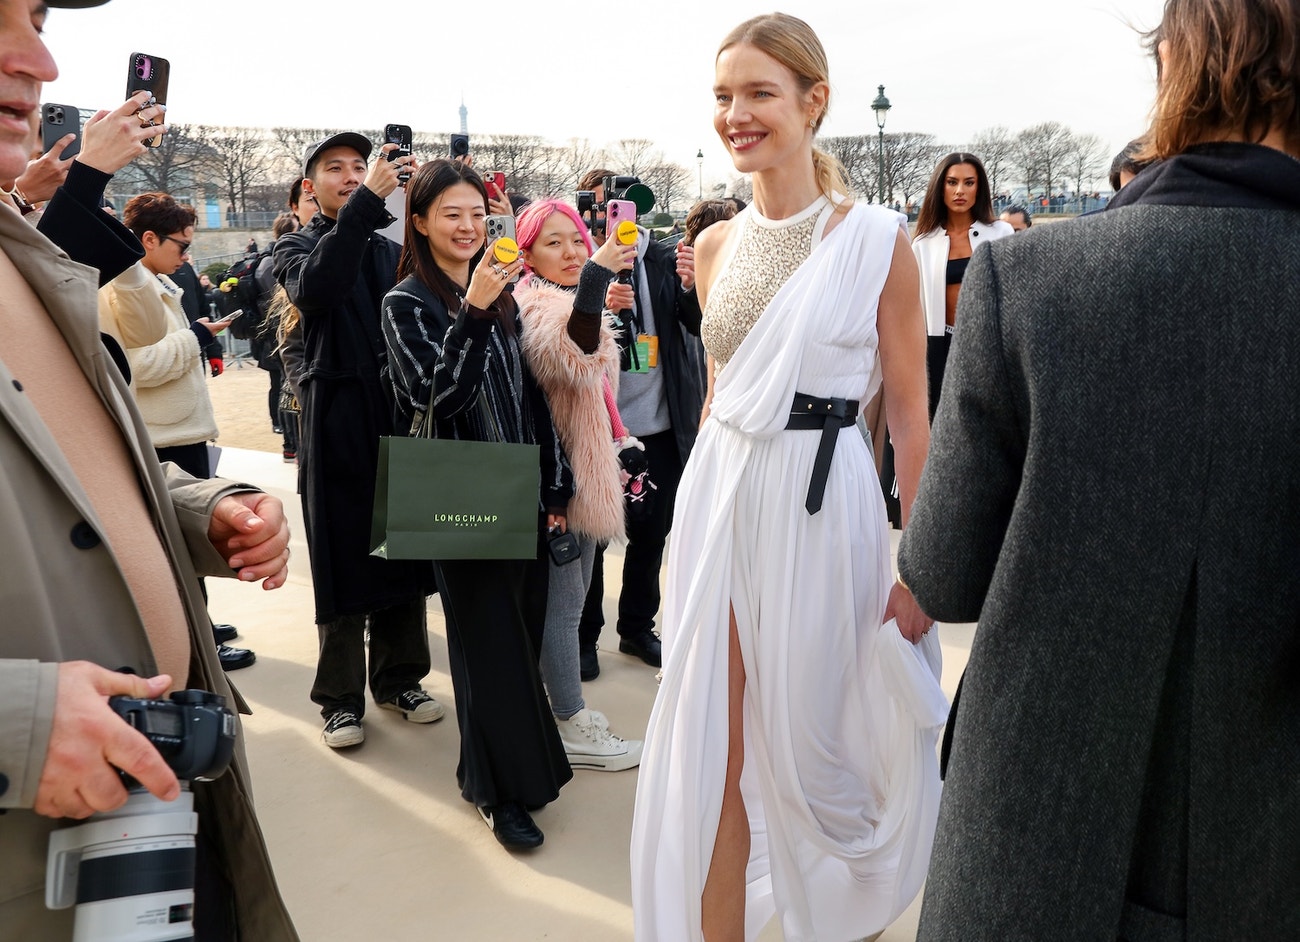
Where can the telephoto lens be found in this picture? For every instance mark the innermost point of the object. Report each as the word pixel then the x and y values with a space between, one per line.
pixel 130 872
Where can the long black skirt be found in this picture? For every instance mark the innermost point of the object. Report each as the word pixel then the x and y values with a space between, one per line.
pixel 510 749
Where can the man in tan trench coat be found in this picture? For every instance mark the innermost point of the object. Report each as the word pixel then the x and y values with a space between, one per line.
pixel 99 556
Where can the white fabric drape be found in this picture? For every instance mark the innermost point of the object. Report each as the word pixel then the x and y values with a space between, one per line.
pixel 841 714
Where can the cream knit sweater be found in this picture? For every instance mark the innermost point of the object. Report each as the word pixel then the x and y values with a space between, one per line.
pixel 142 311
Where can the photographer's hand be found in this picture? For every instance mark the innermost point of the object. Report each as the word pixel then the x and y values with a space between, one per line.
pixel 686 265
pixel 619 297
pixel 112 139
pixel 89 743
pixel 382 177
pixel 250 531
pixel 614 256
pixel 489 278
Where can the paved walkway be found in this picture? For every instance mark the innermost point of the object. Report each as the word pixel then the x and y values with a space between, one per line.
pixel 375 842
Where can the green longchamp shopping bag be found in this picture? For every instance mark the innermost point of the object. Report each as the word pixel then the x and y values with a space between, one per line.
pixel 449 499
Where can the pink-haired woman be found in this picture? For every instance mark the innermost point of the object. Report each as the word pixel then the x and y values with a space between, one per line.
pixel 571 351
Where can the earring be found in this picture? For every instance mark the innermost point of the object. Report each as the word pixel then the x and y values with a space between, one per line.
pixel 812 122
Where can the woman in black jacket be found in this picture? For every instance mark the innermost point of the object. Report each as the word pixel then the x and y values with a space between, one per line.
pixel 452 333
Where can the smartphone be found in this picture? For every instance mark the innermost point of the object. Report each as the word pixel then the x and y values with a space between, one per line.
pixel 495 178
pixel 618 211
pixel 56 121
pixel 399 134
pixel 146 73
pixel 459 146
pixel 500 227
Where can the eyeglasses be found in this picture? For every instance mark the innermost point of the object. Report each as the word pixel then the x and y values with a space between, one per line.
pixel 185 246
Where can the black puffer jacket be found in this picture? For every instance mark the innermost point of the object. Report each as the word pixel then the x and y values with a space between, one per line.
pixel 336 273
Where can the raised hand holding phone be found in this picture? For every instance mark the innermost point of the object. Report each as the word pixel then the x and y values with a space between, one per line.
pixel 499 264
pixel 616 255
pixel 112 139
pixel 385 173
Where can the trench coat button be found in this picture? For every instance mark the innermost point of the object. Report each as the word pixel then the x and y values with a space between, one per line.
pixel 84 536
pixel 18 386
pixel 4 783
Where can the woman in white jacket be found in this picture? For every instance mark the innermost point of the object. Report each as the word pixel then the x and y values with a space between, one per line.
pixel 956 217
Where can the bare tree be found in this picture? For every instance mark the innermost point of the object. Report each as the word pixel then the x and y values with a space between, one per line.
pixel 519 156
pixel 910 159
pixel 671 184
pixel 996 149
pixel 177 163
pixel 1042 155
pixel 580 156
pixel 241 157
pixel 741 187
pixel 1085 160
pixel 286 146
pixel 632 155
pixel 857 154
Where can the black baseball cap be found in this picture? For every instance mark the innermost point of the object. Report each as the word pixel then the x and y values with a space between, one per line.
pixel 75 4
pixel 358 142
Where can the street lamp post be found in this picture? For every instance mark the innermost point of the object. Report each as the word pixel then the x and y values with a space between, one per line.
pixel 881 107
pixel 699 158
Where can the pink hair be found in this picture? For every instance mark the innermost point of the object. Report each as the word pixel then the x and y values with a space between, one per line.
pixel 529 222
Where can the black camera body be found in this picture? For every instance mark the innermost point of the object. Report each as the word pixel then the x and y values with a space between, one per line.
pixel 193 731
pixel 617 187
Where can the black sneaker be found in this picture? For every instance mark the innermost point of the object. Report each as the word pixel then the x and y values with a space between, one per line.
pixel 512 826
pixel 343 729
pixel 645 645
pixel 233 659
pixel 588 665
pixel 415 705
pixel 225 633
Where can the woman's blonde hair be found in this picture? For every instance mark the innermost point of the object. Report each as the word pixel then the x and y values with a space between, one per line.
pixel 792 42
pixel 1231 68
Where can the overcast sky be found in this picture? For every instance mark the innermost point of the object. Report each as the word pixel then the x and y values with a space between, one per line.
pixel 606 71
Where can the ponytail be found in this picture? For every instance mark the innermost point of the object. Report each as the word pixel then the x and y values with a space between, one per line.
pixel 830 175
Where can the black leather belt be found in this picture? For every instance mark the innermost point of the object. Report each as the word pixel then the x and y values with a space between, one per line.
pixel 829 415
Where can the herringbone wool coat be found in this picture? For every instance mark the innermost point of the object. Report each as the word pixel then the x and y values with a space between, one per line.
pixel 1113 491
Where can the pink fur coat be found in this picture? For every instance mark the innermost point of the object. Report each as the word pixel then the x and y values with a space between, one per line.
pixel 574 386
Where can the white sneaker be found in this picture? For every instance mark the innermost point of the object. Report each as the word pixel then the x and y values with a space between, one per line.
pixel 589 745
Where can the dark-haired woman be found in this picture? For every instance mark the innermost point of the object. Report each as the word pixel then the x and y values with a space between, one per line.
pixel 452 333
pixel 956 216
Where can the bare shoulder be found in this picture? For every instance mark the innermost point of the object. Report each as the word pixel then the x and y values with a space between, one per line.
pixel 710 247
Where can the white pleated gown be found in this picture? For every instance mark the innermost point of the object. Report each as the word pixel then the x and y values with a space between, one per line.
pixel 841 713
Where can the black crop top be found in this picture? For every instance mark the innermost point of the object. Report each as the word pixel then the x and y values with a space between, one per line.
pixel 956 270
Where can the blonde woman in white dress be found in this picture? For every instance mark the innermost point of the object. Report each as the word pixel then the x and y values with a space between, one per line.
pixel 789 763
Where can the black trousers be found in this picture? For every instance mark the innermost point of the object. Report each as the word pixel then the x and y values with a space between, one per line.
pixel 399 657
pixel 273 396
pixel 510 749
pixel 638 599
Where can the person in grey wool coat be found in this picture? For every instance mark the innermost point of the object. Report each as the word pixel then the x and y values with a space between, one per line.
pixel 1113 491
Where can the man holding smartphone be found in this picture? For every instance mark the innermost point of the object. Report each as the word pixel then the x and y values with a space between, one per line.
pixel 336 271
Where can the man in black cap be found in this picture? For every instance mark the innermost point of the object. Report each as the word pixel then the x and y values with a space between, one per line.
pixel 336 271
pixel 102 550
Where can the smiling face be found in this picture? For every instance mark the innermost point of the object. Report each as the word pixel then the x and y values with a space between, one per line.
pixel 335 173
pixel 761 115
pixel 454 226
pixel 960 186
pixel 25 64
pixel 558 252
